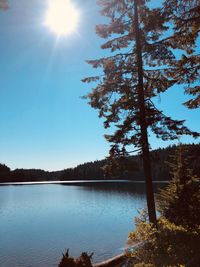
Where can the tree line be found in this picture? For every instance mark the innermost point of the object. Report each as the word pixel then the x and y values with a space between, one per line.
pixel 95 170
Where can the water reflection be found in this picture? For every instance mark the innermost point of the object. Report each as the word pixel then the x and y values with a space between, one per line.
pixel 117 187
pixel 39 221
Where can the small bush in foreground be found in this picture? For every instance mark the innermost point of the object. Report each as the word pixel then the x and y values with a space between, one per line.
pixel 83 261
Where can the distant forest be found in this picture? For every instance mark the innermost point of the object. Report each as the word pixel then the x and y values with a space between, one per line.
pixel 94 171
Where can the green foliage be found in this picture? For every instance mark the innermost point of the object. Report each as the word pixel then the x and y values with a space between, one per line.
pixel 179 202
pixel 83 261
pixel 175 242
pixel 168 245
pixel 143 265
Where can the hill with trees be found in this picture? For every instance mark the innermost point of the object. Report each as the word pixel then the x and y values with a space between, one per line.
pixel 95 170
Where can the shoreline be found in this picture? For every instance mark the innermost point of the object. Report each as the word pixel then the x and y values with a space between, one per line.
pixel 114 261
pixel 76 182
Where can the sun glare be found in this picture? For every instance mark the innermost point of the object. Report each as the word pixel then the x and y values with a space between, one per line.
pixel 62 17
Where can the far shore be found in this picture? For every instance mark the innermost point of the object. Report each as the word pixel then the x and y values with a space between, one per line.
pixel 77 182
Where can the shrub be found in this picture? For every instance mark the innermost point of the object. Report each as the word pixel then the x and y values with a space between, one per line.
pixel 83 261
pixel 167 245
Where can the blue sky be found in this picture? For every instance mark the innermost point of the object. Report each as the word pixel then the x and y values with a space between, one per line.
pixel 44 123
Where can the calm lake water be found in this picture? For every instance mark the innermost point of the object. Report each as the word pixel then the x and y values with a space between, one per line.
pixel 37 222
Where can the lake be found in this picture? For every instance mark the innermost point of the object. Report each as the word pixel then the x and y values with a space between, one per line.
pixel 39 221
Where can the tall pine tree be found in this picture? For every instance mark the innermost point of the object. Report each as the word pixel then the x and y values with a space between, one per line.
pixel 132 76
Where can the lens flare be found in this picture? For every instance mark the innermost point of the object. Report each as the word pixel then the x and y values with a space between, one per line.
pixel 62 17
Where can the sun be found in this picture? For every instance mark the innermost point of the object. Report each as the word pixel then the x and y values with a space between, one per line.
pixel 62 17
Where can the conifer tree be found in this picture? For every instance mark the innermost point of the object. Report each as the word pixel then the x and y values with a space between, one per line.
pixel 179 202
pixel 132 76
pixel 184 16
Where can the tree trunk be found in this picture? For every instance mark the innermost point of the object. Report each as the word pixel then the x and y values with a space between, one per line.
pixel 143 124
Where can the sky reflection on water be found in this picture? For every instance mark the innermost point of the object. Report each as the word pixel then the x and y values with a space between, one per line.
pixel 39 221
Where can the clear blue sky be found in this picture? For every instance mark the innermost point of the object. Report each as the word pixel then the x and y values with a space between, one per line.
pixel 43 121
